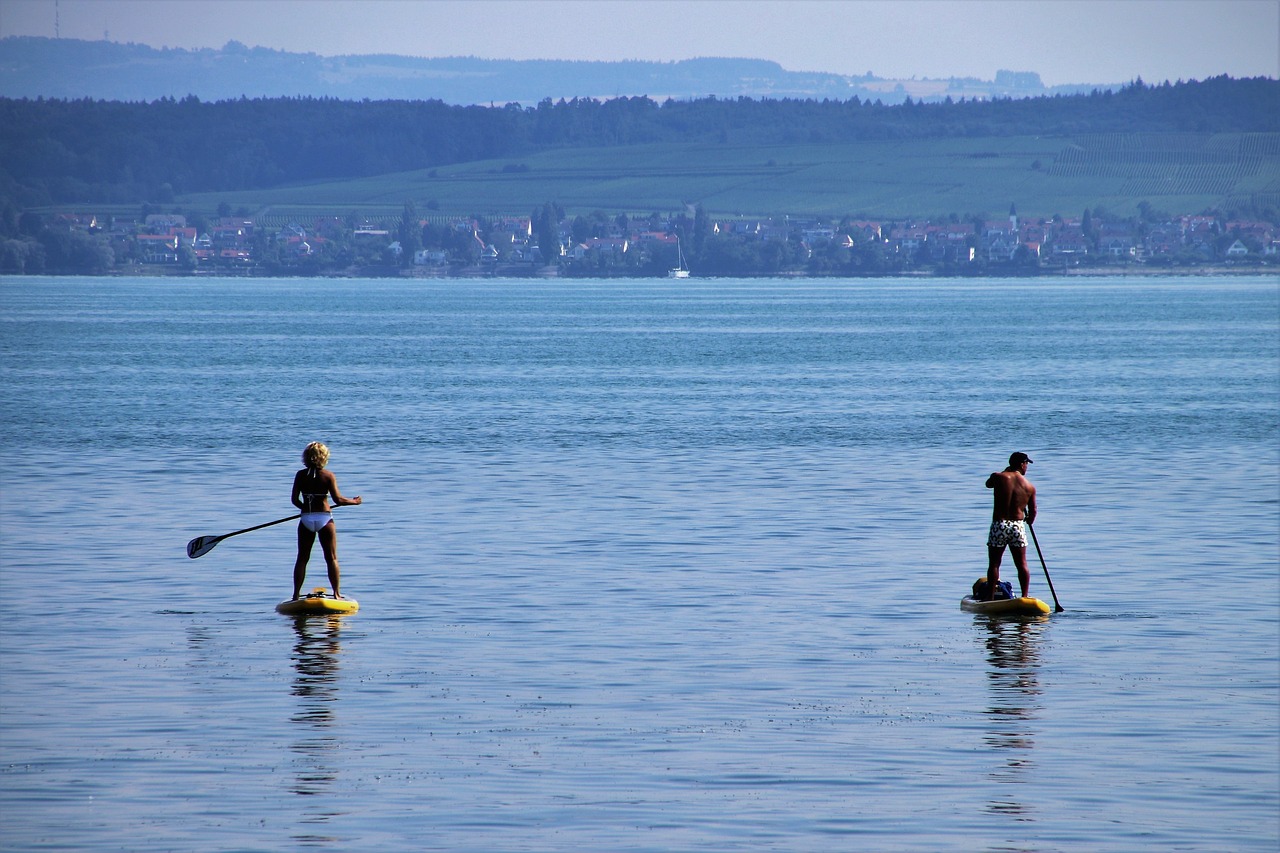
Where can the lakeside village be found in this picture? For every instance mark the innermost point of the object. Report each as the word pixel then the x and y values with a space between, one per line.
pixel 657 245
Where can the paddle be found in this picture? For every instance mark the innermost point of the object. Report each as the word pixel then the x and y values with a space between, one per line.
pixel 202 545
pixel 1058 608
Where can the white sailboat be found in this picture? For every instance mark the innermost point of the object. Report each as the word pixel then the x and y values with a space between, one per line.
pixel 680 270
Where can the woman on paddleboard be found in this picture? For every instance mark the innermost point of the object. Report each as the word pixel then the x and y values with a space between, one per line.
pixel 313 486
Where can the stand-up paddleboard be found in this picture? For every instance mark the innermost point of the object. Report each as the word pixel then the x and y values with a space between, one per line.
pixel 318 602
pixel 1006 606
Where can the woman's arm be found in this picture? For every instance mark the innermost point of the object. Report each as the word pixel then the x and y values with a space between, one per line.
pixel 338 499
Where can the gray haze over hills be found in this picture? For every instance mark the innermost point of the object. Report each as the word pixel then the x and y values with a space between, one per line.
pixel 32 67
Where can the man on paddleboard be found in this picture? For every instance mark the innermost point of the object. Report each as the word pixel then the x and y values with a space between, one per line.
pixel 1015 500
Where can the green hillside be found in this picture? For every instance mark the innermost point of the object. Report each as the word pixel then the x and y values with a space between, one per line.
pixel 1175 172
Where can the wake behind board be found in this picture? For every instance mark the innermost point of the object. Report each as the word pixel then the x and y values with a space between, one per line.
pixel 318 602
pixel 1006 606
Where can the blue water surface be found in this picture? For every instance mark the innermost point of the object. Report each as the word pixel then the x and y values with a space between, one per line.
pixel 642 565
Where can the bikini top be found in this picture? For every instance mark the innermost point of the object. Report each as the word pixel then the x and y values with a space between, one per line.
pixel 320 497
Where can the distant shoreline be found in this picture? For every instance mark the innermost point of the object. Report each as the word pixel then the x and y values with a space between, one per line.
pixel 543 274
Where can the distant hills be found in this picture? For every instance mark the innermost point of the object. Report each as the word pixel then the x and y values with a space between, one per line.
pixel 87 125
pixel 1182 147
pixel 33 67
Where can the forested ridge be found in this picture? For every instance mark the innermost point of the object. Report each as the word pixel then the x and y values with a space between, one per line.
pixel 71 151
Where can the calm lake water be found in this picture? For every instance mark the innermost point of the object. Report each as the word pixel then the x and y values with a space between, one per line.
pixel 642 566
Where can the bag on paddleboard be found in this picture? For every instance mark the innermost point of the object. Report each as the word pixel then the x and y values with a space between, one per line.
pixel 1004 589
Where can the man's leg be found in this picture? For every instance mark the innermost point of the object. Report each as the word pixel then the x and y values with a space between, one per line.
pixel 994 554
pixel 1020 560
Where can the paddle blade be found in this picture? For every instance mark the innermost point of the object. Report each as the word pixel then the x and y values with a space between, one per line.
pixel 201 545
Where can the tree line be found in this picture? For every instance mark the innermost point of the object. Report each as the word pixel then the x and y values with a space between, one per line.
pixel 56 151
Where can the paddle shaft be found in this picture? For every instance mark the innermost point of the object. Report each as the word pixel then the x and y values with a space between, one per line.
pixel 260 526
pixel 1040 554
pixel 202 545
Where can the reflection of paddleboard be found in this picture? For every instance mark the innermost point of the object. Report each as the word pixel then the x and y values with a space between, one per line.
pixel 1006 606
pixel 318 602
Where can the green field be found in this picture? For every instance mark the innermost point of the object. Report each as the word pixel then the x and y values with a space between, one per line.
pixel 1176 173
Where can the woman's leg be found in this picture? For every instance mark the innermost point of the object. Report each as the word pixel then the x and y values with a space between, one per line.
pixel 329 542
pixel 305 540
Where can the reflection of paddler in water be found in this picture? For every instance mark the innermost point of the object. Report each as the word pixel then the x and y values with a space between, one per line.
pixel 313 486
pixel 1014 655
pixel 315 658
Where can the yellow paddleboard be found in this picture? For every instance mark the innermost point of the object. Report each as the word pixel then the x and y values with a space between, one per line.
pixel 318 602
pixel 1006 606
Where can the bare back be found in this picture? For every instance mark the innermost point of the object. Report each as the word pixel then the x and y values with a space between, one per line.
pixel 312 489
pixel 1014 492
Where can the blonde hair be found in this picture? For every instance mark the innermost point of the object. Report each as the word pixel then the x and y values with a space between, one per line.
pixel 316 455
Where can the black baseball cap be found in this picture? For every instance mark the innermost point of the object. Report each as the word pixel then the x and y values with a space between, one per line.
pixel 1018 458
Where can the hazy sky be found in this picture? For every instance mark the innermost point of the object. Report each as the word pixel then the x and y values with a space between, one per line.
pixel 1066 41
